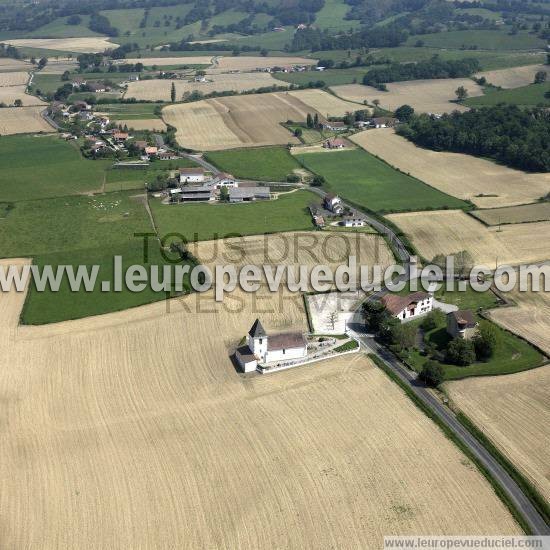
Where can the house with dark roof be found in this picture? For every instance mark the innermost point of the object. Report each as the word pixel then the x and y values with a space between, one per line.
pixel 408 307
pixel 461 324
pixel 261 348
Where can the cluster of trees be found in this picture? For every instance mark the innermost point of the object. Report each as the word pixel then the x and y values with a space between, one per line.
pixel 429 69
pixel 315 39
pixel 481 347
pixel 100 24
pixel 516 137
pixel 9 51
pixel 389 330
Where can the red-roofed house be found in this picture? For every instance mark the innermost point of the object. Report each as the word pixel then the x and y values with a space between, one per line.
pixel 408 307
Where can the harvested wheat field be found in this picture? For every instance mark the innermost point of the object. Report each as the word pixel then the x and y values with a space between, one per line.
pixel 20 120
pixel 426 96
pixel 92 44
pixel 249 63
pixel 462 176
pixel 134 430
pixel 160 61
pixel 8 95
pixel 514 77
pixel 296 248
pixel 160 89
pixel 9 64
pixel 536 212
pixel 451 231
pixel 530 317
pixel 514 413
pixel 153 124
pixel 236 121
pixel 326 104
pixel 14 78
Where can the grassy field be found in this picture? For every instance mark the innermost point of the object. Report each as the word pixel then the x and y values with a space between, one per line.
pixel 331 77
pixel 49 83
pixel 74 231
pixel 261 163
pixel 121 179
pixel 526 96
pixel 488 59
pixel 512 355
pixel 332 16
pixel 484 40
pixel 201 222
pixel 58 28
pixel 370 183
pixel 42 167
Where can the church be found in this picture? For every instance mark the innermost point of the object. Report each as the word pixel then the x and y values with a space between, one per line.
pixel 261 348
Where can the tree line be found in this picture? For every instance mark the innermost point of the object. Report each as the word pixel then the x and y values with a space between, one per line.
pixel 516 137
pixel 423 70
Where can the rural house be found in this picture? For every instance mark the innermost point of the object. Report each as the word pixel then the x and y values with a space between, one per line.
pixel 461 324
pixel 408 307
pixel 353 221
pixel 120 136
pixel 334 143
pixel 192 175
pixel 333 203
pixel 97 87
pixel 164 154
pixel 261 348
pixel 224 179
pixel 336 126
pixel 383 122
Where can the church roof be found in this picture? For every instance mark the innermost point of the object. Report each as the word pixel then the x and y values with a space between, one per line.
pixel 257 331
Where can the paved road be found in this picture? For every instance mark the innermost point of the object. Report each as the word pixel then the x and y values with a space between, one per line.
pixel 389 233
pixel 499 474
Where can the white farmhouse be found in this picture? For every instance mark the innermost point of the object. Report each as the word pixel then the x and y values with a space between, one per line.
pixel 261 348
pixel 192 175
pixel 224 179
pixel 408 307
pixel 333 203
pixel 353 221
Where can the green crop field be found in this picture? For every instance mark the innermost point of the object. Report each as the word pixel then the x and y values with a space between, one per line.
pixel 370 183
pixel 201 222
pixel 526 96
pixel 42 167
pixel 331 77
pixel 484 40
pixel 261 163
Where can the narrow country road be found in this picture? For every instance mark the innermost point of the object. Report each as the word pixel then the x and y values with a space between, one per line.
pixel 498 473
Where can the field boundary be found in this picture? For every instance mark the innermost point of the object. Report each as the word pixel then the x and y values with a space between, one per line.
pixel 538 501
